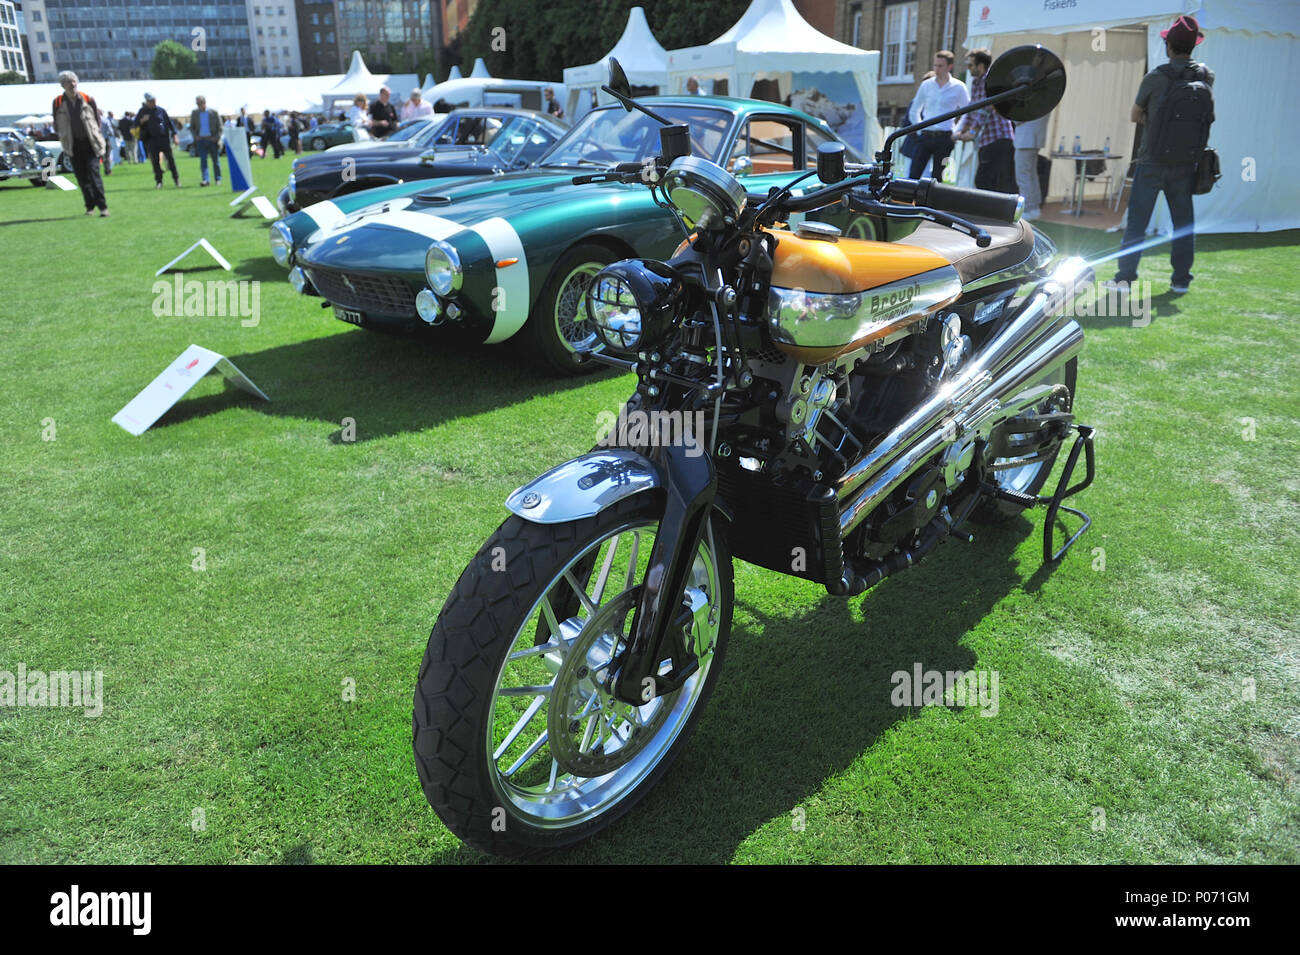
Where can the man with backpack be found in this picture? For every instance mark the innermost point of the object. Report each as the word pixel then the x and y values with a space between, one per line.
pixel 1176 107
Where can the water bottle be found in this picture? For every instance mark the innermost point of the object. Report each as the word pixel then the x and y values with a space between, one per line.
pixel 1061 148
pixel 1106 149
pixel 1078 145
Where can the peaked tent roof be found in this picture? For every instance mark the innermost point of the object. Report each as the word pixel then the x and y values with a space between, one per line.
pixel 642 57
pixel 480 71
pixel 771 28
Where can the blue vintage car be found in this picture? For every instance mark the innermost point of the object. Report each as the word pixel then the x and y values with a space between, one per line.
pixel 511 254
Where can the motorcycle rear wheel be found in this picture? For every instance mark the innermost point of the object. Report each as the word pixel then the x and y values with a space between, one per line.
pixel 508 697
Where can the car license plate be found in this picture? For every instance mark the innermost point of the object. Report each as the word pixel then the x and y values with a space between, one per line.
pixel 349 315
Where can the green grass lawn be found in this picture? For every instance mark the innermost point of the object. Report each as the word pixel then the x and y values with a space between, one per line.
pixel 1127 729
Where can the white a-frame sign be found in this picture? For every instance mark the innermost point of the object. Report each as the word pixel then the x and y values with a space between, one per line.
pixel 179 377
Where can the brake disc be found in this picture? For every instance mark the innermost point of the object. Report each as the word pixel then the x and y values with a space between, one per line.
pixel 590 732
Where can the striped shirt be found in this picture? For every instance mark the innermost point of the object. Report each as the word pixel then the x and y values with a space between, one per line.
pixel 988 124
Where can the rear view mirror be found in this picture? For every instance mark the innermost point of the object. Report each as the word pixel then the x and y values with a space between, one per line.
pixel 1032 65
pixel 618 82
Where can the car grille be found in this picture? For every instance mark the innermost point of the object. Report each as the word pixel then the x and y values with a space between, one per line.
pixel 368 292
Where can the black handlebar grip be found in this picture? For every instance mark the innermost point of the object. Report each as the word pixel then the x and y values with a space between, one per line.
pixel 981 203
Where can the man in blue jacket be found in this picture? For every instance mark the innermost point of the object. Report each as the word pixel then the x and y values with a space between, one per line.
pixel 158 134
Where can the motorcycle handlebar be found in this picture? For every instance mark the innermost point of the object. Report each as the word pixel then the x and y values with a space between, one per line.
pixel 981 203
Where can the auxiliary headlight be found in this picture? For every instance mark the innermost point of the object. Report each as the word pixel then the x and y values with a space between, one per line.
pixel 298 279
pixel 427 306
pixel 633 304
pixel 442 269
pixel 281 243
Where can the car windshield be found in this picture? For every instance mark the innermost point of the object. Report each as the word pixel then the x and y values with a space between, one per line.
pixel 411 130
pixel 520 140
pixel 612 135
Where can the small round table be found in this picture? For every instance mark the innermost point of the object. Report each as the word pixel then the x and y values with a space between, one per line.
pixel 1080 181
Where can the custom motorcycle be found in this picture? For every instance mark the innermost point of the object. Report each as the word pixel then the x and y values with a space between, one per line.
pixel 825 407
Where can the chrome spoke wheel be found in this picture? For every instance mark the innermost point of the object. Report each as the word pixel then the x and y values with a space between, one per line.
pixel 561 749
pixel 571 325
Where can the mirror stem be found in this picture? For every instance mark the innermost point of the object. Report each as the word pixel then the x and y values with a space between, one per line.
pixel 629 103
pixel 885 152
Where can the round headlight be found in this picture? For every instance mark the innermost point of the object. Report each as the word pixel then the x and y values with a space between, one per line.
pixel 442 269
pixel 298 279
pixel 633 304
pixel 281 243
pixel 427 306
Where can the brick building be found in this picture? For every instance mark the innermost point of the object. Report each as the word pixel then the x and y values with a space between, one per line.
pixel 907 33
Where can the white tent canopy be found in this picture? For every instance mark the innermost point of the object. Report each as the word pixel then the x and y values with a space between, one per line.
pixel 492 91
pixel 359 79
pixel 772 41
pixel 480 71
pixel 641 56
pixel 226 96
pixel 1244 42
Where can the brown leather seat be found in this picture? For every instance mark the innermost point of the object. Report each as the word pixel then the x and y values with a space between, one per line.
pixel 1011 245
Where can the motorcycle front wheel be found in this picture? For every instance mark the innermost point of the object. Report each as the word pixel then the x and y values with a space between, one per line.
pixel 517 744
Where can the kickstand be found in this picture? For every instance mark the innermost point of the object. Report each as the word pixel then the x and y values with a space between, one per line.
pixel 1054 505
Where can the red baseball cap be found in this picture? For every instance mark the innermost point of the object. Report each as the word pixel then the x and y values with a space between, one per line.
pixel 1184 25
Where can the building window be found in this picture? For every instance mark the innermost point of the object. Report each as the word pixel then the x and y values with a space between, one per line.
pixel 855 31
pixel 949 37
pixel 899 61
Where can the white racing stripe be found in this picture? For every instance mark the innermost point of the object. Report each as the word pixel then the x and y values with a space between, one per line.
pixel 433 227
pixel 325 214
pixel 503 242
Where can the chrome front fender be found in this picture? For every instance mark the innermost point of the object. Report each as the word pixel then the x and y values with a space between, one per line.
pixel 584 486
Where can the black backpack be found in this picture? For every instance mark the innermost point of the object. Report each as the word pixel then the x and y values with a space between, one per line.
pixel 1185 117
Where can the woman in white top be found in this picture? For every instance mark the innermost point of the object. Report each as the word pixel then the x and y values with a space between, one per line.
pixel 360 119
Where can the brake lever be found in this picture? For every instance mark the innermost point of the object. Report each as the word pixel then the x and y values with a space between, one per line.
pixel 981 236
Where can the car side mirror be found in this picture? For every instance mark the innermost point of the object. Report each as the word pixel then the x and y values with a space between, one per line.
pixel 1036 68
pixel 428 156
pixel 742 166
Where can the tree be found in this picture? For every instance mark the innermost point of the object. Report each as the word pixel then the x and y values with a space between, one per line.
pixel 171 61
pixel 515 42
pixel 9 78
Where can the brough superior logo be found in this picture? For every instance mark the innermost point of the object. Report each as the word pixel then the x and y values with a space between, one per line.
pixel 889 303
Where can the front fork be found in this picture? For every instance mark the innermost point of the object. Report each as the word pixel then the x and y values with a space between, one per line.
pixel 662 618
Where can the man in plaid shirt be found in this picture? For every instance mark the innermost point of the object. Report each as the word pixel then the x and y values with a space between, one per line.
pixel 992 133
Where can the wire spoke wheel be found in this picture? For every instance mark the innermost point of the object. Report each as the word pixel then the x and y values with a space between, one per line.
pixel 570 323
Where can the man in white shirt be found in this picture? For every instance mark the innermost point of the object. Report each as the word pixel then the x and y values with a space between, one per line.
pixel 940 94
pixel 415 107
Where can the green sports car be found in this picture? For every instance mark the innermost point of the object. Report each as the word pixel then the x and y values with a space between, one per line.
pixel 511 254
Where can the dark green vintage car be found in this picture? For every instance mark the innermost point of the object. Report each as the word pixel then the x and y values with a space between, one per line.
pixel 512 254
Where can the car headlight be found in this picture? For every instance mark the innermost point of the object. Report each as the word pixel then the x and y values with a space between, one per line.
pixel 442 269
pixel 633 304
pixel 281 243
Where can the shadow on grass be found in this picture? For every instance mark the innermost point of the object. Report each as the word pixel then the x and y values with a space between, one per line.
pixel 387 383
pixel 801 698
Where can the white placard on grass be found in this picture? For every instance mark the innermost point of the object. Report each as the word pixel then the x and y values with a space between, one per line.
pixel 264 206
pixel 179 377
pixel 202 243
pixel 61 182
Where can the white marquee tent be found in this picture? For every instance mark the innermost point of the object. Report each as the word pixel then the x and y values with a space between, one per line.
pixel 226 96
pixel 1107 46
pixel 772 41
pixel 640 55
pixel 359 79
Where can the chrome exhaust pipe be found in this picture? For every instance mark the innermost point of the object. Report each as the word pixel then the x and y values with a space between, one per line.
pixel 1007 396
pixel 1038 315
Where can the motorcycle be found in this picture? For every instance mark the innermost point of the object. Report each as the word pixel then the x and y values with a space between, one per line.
pixel 824 407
